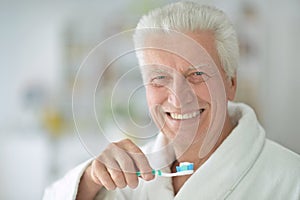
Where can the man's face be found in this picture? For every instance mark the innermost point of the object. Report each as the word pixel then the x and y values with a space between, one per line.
pixel 179 81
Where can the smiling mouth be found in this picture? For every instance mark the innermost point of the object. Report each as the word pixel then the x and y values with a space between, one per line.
pixel 181 116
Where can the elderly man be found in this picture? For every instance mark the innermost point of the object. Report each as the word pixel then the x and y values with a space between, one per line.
pixel 188 55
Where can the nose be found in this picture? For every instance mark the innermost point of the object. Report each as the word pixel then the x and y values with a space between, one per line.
pixel 180 92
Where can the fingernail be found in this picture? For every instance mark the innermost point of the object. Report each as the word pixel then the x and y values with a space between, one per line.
pixel 148 177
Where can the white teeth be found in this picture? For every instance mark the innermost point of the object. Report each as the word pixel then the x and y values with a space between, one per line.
pixel 194 114
pixel 185 116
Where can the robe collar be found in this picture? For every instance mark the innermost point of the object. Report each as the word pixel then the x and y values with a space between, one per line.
pixel 225 168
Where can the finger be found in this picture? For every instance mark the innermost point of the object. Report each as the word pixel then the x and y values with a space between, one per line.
pixel 138 158
pixel 107 157
pixel 118 177
pixel 101 175
pixel 119 165
pixel 131 180
pixel 129 170
pixel 143 166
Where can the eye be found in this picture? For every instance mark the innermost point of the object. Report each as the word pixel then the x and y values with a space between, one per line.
pixel 198 73
pixel 159 81
pixel 197 77
pixel 160 77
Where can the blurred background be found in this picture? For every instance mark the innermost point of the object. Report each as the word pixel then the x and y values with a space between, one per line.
pixel 43 44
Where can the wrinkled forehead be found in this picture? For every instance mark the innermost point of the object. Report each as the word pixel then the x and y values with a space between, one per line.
pixel 188 49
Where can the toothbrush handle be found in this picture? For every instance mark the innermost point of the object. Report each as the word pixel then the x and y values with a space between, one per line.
pixel 160 173
pixel 154 172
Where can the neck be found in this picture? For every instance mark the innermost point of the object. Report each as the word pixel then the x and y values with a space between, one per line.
pixel 192 153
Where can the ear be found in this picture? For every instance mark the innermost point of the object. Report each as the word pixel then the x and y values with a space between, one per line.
pixel 231 83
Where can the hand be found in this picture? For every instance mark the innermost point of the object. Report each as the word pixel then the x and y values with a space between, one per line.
pixel 115 167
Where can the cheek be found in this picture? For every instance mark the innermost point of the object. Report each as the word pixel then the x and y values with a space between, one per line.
pixel 202 92
pixel 155 96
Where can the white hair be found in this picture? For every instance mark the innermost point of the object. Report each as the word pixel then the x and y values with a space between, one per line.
pixel 192 17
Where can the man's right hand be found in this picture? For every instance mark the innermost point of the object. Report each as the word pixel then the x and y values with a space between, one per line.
pixel 115 167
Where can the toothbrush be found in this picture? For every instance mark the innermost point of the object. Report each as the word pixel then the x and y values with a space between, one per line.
pixel 184 168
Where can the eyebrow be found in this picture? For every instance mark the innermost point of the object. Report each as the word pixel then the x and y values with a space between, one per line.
pixel 197 67
pixel 157 70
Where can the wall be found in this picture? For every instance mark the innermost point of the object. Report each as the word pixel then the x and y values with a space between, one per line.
pixel 32 54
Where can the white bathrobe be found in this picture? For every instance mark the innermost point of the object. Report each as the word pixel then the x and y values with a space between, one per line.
pixel 245 166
